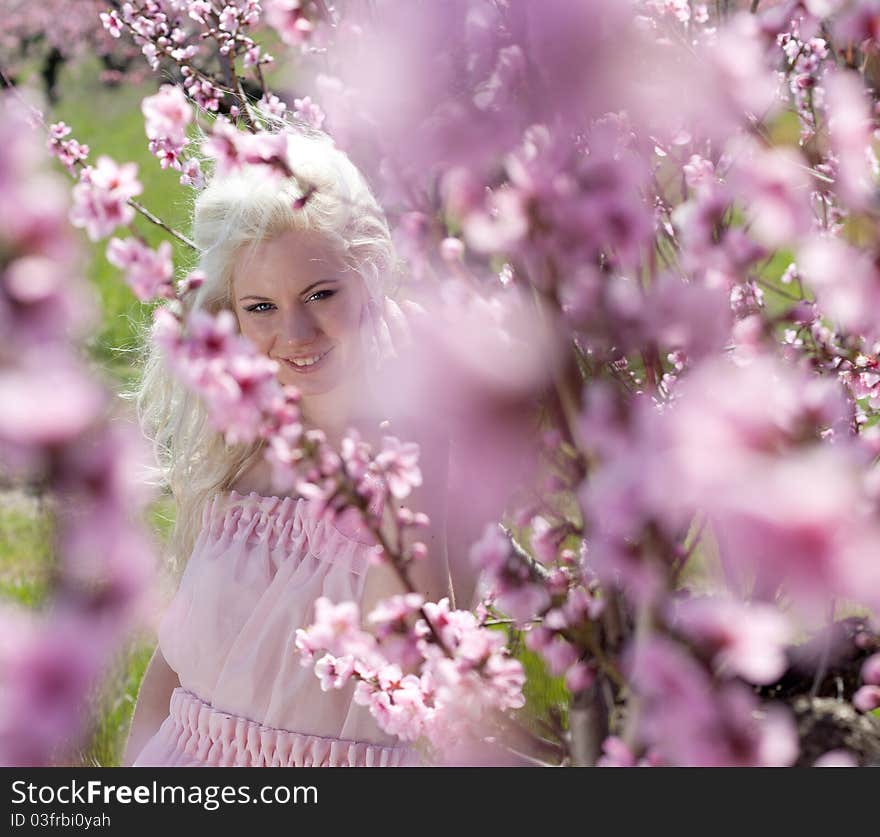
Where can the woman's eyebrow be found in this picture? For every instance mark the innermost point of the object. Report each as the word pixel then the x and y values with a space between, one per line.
pixel 331 279
pixel 319 282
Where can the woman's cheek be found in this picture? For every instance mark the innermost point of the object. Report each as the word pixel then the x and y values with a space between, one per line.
pixel 256 332
pixel 340 320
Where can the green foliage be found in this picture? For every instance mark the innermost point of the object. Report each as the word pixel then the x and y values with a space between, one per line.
pixel 544 693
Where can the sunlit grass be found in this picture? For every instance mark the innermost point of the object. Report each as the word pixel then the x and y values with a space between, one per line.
pixel 25 552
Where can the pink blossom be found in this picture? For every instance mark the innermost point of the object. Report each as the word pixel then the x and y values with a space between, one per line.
pixel 167 114
pixel 69 152
pixel 272 105
pixel 775 187
pixel 845 281
pixel 523 602
pixel 580 605
pixel 112 23
pixel 253 57
pixel 580 676
pixel 699 172
pixel 748 641
pixel 100 199
pixel 46 680
pixel 836 758
pixel 544 540
pixel 199 9
pixel 334 672
pixel 308 111
pixel 850 133
pixel 871 670
pixel 746 446
pixel 399 464
pixel 148 272
pixel 508 575
pixel 231 149
pixel 47 402
pixel 493 550
pixel 500 225
pixel 458 378
pixel 336 629
pixel 399 643
pixel 191 174
pixel 692 724
pixel 390 613
pixel 288 19
pixel 867 698
pixel 615 753
pixel 229 19
pixel 559 654
pixel 462 692
pixel 239 385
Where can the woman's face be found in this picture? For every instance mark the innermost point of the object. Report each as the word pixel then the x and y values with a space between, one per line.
pixel 299 303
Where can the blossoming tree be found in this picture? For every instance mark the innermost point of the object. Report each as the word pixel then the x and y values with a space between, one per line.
pixel 645 233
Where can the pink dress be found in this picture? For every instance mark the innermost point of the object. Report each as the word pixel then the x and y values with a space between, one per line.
pixel 255 572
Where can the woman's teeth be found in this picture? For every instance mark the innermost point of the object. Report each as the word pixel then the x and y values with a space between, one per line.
pixel 303 362
pixel 306 361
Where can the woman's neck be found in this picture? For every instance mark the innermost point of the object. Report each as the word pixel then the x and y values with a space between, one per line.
pixel 344 407
pixel 330 412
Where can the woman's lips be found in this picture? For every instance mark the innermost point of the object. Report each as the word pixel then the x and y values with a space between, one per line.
pixel 311 368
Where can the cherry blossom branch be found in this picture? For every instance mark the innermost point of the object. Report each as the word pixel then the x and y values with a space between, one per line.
pixel 154 219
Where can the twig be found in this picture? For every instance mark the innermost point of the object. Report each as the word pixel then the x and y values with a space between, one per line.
pixel 160 223
pixel 539 569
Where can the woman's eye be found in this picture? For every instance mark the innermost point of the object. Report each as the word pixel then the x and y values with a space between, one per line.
pixel 318 295
pixel 260 307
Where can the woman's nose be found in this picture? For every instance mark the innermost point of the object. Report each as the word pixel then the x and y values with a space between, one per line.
pixel 300 328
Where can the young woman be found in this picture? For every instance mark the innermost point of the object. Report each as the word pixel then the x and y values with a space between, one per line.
pixel 310 284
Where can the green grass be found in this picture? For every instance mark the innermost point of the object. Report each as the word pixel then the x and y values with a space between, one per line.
pixel 25 555
pixel 112 705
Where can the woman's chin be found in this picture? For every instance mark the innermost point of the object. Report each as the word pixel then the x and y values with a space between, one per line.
pixel 314 385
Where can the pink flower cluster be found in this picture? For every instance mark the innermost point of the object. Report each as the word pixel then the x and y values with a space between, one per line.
pixel 238 385
pixel 101 198
pixel 309 112
pixel 232 149
pixel 147 272
pixel 689 720
pixel 293 20
pixel 167 115
pixel 68 151
pixel 867 698
pixel 448 697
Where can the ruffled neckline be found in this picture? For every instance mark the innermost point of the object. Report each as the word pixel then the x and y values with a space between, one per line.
pixel 270 504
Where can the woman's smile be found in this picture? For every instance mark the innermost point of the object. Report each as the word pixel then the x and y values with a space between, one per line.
pixel 306 364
